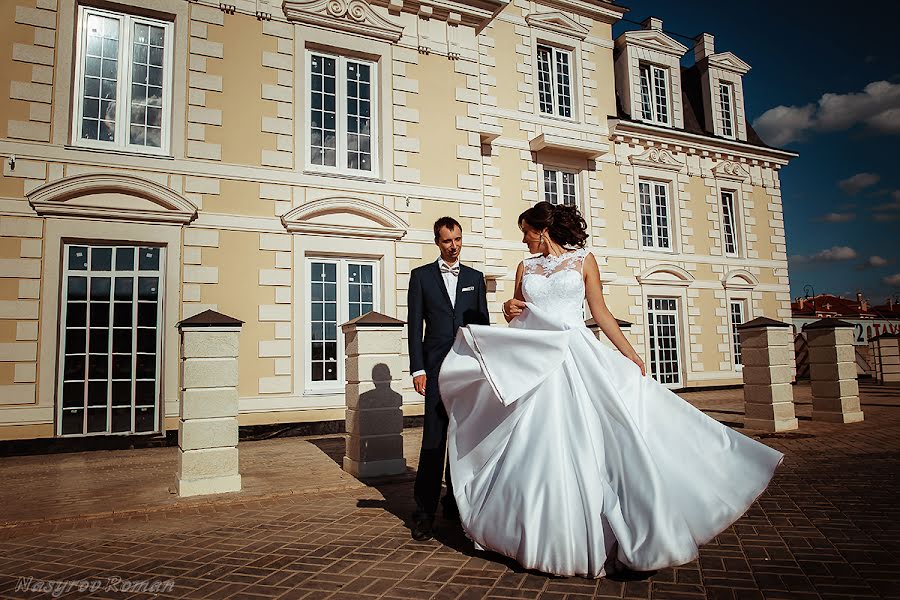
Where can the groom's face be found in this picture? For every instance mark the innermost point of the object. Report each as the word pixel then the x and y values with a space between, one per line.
pixel 450 243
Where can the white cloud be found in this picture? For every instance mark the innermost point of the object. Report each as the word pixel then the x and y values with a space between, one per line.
pixel 892 280
pixel 873 262
pixel 857 183
pixel 833 254
pixel 836 217
pixel 877 107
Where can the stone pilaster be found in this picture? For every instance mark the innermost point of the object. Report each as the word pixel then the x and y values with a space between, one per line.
pixel 832 370
pixel 766 347
pixel 886 355
pixel 374 369
pixel 208 426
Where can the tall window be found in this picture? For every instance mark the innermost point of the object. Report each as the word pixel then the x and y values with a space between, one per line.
pixel 342 127
pixel 339 290
pixel 738 316
pixel 110 340
pixel 559 187
pixel 665 364
pixel 554 81
pixel 726 104
pixel 729 224
pixel 654 197
pixel 123 81
pixel 654 94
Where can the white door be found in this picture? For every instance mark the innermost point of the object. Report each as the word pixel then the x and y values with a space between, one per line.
pixel 665 347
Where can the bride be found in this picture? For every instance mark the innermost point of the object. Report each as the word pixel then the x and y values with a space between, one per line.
pixel 564 455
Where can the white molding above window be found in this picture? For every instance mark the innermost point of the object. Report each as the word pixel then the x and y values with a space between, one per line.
pixel 739 279
pixel 123 82
pixel 348 16
pixel 345 217
pixel 658 158
pixel 731 170
pixel 665 274
pixel 135 199
pixel 558 22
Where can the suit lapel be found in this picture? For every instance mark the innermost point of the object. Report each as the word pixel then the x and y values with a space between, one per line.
pixel 459 286
pixel 439 280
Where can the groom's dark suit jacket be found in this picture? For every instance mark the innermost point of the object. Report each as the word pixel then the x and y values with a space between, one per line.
pixel 429 304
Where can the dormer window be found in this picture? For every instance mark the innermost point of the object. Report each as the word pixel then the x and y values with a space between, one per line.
pixel 726 105
pixel 554 81
pixel 654 94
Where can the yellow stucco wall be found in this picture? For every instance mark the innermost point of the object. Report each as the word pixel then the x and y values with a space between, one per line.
pixel 12 33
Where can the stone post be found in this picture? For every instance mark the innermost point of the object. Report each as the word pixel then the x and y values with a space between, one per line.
pixel 875 352
pixel 374 368
pixel 208 426
pixel 886 353
pixel 832 371
pixel 591 324
pixel 766 348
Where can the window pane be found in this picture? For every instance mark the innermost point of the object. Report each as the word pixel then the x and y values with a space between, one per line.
pixel 728 223
pixel 646 102
pixel 568 188
pixel 563 83
pixel 646 215
pixel 147 85
pixel 725 105
pixel 737 318
pixel 545 85
pixel 124 259
pixel 101 259
pixel 100 52
pixel 550 193
pixel 148 259
pixel 661 93
pixel 323 111
pixel 662 215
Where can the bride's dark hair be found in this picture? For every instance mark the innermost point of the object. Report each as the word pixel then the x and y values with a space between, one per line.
pixel 564 223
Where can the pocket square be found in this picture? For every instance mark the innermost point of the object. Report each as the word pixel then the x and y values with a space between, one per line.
pixel 468 289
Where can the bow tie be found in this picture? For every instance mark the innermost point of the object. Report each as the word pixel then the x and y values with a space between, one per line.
pixel 454 270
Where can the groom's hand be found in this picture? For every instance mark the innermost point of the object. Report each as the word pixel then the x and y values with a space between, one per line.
pixel 419 384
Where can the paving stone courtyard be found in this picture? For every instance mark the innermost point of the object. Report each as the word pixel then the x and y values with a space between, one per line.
pixel 827 528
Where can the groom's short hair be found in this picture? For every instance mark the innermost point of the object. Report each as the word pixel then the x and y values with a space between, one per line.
pixel 448 222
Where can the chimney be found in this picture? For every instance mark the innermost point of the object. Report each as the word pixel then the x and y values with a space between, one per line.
pixel 705 46
pixel 652 23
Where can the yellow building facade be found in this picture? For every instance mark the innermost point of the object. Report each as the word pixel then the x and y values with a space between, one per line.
pixel 283 164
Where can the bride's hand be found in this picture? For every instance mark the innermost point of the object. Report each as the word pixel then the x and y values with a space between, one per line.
pixel 512 308
pixel 633 357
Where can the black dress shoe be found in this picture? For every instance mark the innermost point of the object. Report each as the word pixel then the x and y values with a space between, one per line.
pixel 422 529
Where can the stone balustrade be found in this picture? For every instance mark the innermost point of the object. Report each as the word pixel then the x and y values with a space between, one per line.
pixel 208 426
pixel 374 367
pixel 766 349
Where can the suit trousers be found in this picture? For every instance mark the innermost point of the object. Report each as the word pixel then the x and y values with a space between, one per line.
pixel 433 462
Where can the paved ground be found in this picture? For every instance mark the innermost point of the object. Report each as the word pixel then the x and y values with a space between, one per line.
pixel 827 528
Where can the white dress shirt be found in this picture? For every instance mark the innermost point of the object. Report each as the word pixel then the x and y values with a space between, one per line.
pixel 450 281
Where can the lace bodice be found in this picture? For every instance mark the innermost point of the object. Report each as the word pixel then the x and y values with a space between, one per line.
pixel 556 285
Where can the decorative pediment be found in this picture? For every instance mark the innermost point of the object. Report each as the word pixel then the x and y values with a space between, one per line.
pixel 739 279
pixel 350 16
pixel 111 196
pixel 345 217
pixel 666 274
pixel 558 22
pixel 728 169
pixel 729 62
pixel 657 158
pixel 654 39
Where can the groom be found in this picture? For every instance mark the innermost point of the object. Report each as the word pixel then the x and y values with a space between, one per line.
pixel 445 295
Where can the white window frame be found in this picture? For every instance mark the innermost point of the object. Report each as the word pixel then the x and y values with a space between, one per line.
pixel 341 167
pixel 655 185
pixel 555 51
pixel 735 224
pixel 728 124
pixel 123 83
pixel 558 179
pixel 733 338
pixel 160 273
pixel 327 387
pixel 679 341
pixel 656 72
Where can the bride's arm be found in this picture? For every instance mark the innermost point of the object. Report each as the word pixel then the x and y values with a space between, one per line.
pixel 512 308
pixel 594 292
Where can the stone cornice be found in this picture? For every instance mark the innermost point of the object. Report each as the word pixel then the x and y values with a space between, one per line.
pixel 606 12
pixel 625 130
pixel 477 13
pixel 554 141
pixel 652 40
pixel 557 22
pixel 350 16
pixel 727 61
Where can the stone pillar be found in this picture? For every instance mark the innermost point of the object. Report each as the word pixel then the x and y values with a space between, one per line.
pixel 766 348
pixel 374 368
pixel 208 426
pixel 832 371
pixel 591 324
pixel 886 353
pixel 875 352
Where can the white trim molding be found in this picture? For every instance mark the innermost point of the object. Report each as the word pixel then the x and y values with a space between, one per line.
pixel 658 158
pixel 557 22
pixel 728 169
pixel 739 279
pixel 66 197
pixel 671 275
pixel 349 16
pixel 552 141
pixel 384 223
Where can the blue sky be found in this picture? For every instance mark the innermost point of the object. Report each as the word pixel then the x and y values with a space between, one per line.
pixel 825 82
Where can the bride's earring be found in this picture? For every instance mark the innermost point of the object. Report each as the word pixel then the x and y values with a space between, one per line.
pixel 542 239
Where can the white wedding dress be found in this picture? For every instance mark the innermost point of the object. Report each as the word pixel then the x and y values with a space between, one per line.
pixel 565 458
